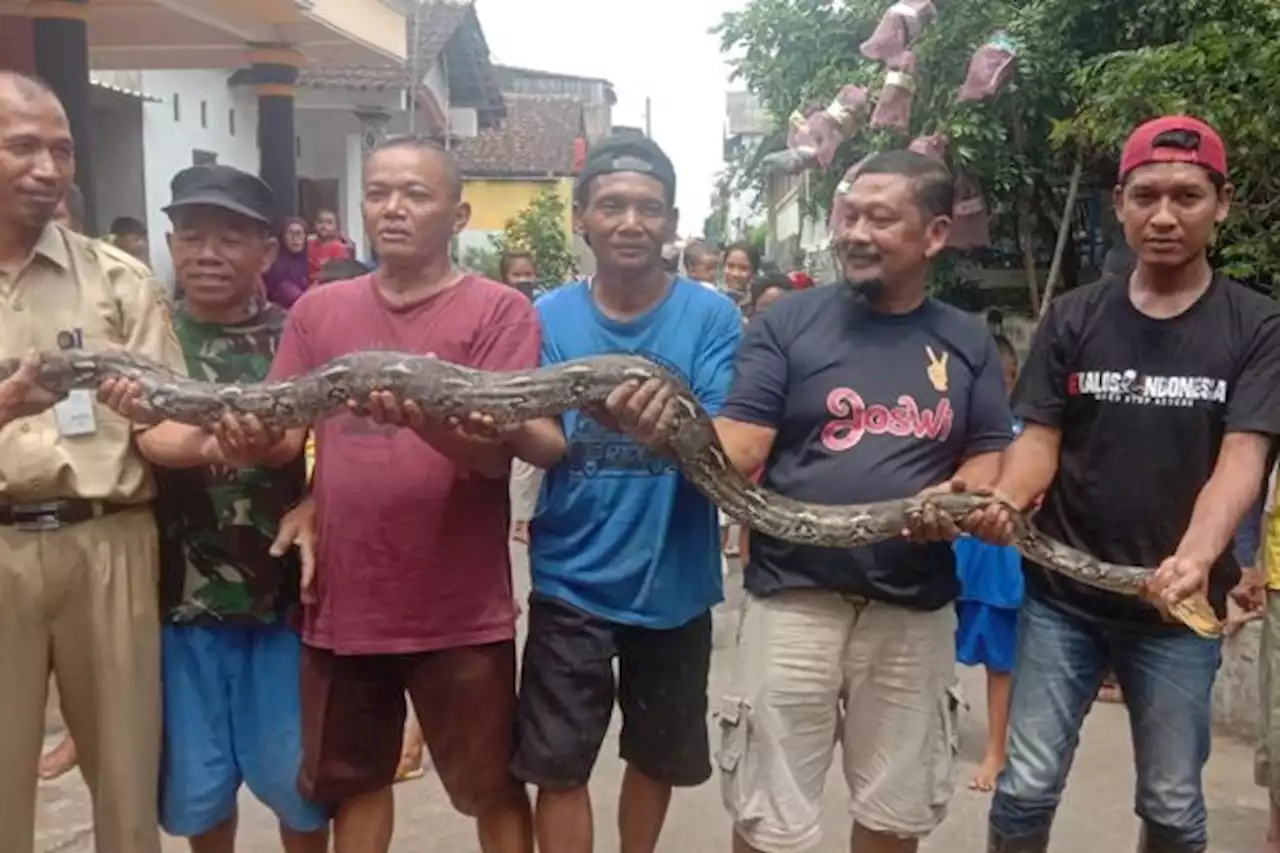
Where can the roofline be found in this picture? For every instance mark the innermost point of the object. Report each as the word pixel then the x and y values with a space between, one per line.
pixel 535 72
pixel 502 175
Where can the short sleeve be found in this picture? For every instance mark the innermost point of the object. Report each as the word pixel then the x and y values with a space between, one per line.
pixel 147 318
pixel 713 371
pixel 1254 401
pixel 990 423
pixel 293 357
pixel 512 340
pixel 759 391
pixel 1042 387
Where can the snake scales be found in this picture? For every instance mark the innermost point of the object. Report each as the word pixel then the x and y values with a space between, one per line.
pixel 450 390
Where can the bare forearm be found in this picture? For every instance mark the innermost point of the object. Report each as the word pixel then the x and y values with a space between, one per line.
pixel 174 445
pixel 1028 467
pixel 486 457
pixel 746 445
pixel 979 471
pixel 541 443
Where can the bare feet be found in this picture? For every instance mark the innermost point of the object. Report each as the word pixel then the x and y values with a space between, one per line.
pixel 410 766
pixel 984 778
pixel 59 760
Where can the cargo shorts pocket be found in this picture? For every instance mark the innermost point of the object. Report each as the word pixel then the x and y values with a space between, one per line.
pixel 734 721
pixel 947 748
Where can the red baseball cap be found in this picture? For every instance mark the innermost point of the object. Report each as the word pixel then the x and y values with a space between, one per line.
pixel 1141 149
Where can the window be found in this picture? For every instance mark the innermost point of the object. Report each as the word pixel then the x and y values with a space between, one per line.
pixel 203 158
pixel 177 107
pixel 204 114
pixel 231 121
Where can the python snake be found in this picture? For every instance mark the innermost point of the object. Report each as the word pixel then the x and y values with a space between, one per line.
pixel 449 390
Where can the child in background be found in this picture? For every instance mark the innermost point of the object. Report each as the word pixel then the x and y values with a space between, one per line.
pixel 991 588
pixel 326 245
pixel 702 263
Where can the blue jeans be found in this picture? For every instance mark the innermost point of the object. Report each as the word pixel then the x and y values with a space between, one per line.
pixel 1167 680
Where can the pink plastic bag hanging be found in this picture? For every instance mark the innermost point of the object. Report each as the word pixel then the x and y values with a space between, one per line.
pixel 894 107
pixel 899 26
pixel 801 151
pixel 970 217
pixel 838 122
pixel 934 145
pixel 990 68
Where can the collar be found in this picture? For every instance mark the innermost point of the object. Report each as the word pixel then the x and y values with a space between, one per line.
pixel 52 246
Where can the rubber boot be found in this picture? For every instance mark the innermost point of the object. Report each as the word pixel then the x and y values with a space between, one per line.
pixel 997 843
pixel 1149 843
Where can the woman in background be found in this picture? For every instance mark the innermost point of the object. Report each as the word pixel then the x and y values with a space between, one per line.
pixel 289 276
pixel 741 266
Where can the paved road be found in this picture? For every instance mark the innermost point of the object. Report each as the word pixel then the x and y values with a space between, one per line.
pixel 1096 814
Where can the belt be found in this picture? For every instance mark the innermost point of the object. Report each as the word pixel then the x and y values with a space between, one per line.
pixel 53 515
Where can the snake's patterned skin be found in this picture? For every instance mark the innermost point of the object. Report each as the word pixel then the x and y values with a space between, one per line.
pixel 446 389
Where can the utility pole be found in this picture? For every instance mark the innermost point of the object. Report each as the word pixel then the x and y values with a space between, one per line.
pixel 648 117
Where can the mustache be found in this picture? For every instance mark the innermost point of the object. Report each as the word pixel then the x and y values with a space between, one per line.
pixel 858 251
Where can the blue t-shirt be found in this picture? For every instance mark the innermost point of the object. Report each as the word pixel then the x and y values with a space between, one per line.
pixel 619 532
pixel 867 407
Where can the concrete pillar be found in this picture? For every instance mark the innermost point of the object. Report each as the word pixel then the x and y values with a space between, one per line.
pixel 60 38
pixel 373 129
pixel 275 78
pixel 353 195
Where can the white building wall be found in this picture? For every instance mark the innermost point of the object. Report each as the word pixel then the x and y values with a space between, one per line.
pixel 119 181
pixel 202 122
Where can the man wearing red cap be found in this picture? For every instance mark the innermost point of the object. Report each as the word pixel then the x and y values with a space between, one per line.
pixel 1150 402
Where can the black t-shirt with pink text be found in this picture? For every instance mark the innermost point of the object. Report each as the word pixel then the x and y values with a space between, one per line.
pixel 1143 405
pixel 867 407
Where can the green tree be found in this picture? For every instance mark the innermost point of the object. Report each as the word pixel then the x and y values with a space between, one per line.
pixel 1087 71
pixel 540 230
pixel 1228 75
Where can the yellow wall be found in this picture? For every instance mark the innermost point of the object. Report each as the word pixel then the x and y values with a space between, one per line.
pixel 494 202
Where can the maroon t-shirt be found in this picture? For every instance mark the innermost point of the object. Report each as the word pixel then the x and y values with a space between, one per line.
pixel 413 547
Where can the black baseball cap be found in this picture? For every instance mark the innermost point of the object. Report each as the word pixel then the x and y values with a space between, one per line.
pixel 628 153
pixel 223 187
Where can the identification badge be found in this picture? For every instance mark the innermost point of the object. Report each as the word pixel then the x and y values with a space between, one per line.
pixel 75 414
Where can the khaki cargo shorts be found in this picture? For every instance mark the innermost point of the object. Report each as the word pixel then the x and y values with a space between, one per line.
pixel 1266 763
pixel 817 669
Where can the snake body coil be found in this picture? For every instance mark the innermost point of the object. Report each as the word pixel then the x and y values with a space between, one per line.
pixel 445 389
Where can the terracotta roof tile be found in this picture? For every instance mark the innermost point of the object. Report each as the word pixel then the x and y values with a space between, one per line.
pixel 536 139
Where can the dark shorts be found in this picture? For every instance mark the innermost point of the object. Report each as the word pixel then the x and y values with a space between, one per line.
pixel 567 693
pixel 353 716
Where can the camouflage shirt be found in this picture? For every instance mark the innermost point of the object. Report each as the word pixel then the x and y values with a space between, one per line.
pixel 217 524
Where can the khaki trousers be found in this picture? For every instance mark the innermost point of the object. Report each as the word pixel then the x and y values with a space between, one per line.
pixel 82 601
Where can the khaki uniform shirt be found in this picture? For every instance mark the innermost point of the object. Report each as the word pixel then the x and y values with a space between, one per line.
pixel 79 292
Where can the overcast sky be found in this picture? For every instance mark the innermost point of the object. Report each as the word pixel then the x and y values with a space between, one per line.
pixel 660 49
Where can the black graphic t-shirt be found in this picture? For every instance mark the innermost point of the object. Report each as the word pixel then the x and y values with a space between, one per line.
pixel 867 407
pixel 1143 405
